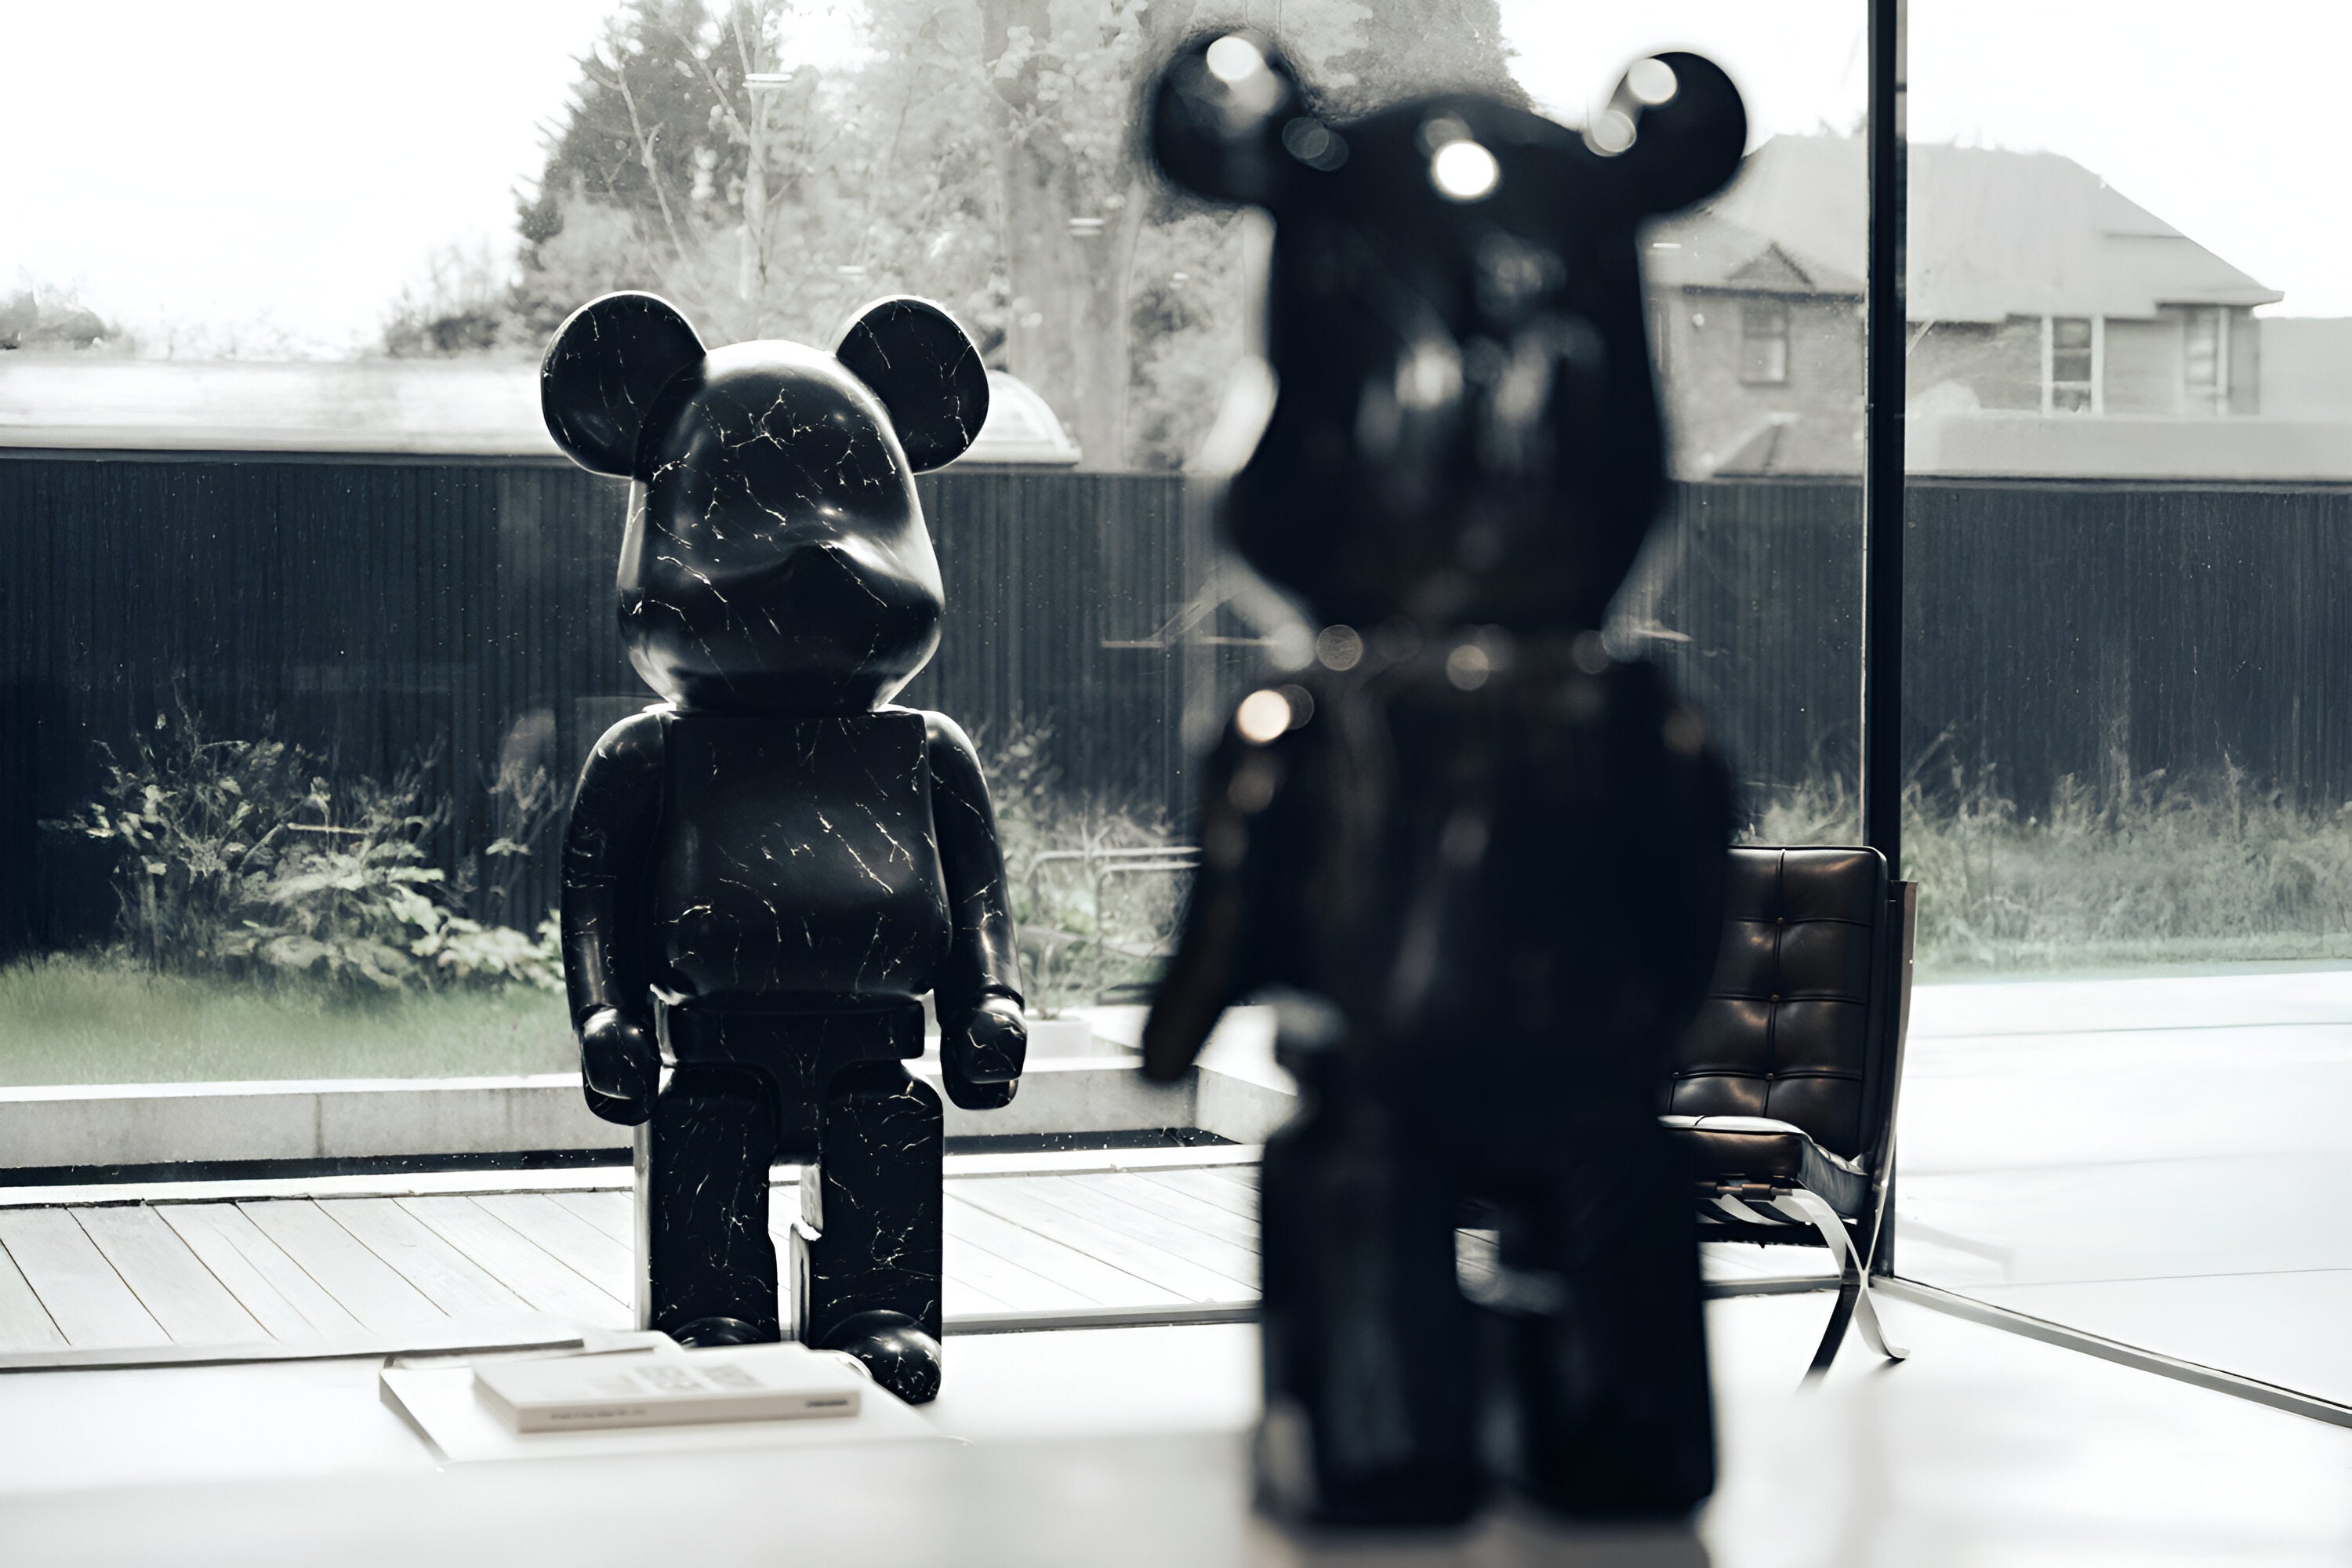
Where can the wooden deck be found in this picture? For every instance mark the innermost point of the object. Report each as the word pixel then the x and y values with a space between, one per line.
pixel 327 1271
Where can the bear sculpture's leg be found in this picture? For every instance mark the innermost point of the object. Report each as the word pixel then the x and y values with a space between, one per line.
pixel 706 1270
pixel 867 1279
pixel 1369 1346
pixel 1605 1359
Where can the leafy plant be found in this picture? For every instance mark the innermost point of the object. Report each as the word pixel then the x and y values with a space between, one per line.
pixel 1097 917
pixel 463 949
pixel 193 823
pixel 242 858
pixel 347 888
pixel 2144 869
pixel 527 803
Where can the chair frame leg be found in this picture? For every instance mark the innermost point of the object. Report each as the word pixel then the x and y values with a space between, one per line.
pixel 1853 1301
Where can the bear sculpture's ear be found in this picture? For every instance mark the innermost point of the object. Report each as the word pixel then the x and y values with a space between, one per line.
pixel 926 371
pixel 1229 122
pixel 1675 132
pixel 604 368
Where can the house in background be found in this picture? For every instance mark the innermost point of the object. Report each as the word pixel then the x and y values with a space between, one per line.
pixel 2056 328
pixel 1758 346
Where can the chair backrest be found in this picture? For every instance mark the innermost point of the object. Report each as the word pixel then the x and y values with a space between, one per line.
pixel 1802 1022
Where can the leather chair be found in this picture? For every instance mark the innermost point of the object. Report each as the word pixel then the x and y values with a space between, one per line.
pixel 1783 1093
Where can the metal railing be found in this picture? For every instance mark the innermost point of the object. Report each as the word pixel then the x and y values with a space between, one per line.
pixel 1055 947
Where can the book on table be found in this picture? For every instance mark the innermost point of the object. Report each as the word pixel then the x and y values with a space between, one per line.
pixel 733 1382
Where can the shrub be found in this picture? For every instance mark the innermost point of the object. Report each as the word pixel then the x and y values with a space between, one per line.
pixel 1094 924
pixel 196 824
pixel 2153 870
pixel 239 857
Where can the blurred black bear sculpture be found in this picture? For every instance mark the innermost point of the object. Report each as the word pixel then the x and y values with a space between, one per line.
pixel 1474 860
pixel 764 872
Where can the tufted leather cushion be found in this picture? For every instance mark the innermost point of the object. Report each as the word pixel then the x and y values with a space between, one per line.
pixel 1784 1031
pixel 1762 1150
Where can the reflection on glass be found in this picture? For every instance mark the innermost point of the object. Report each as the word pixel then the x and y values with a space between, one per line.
pixel 2130 433
pixel 1749 594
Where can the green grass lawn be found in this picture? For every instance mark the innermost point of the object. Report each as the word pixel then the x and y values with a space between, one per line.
pixel 70 1019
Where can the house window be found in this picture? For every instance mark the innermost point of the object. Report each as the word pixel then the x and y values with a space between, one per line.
pixel 2205 360
pixel 2072 381
pixel 1764 342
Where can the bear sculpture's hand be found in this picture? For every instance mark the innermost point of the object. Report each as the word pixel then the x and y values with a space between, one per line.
pixel 620 1066
pixel 982 1053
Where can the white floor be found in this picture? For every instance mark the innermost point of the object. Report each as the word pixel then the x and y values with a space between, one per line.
pixel 2158 1160
pixel 1124 1446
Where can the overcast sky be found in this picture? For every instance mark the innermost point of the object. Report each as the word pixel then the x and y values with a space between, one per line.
pixel 269 173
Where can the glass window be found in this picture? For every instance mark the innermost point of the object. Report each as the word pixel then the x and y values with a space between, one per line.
pixel 2205 359
pixel 2073 381
pixel 2126 806
pixel 331 624
pixel 1764 342
pixel 1749 589
pixel 327 624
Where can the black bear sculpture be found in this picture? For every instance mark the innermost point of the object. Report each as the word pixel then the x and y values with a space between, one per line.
pixel 1474 859
pixel 765 871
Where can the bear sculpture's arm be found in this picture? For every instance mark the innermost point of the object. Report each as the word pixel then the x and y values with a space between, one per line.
pixel 1225 950
pixel 605 962
pixel 982 1042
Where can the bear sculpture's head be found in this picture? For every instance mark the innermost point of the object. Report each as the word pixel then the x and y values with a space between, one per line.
pixel 1456 421
pixel 775 559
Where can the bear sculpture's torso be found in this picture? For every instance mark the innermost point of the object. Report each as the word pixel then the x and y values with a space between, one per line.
pixel 795 860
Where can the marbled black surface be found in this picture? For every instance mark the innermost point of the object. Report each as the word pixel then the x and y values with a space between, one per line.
pixel 801 858
pixel 765 872
pixel 825 1090
pixel 1475 859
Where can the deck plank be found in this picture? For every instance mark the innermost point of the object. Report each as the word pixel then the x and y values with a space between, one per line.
pixel 363 1284
pixel 86 1298
pixel 614 1214
pixel 304 1271
pixel 974 1274
pixel 170 1280
pixel 448 1278
pixel 1223 1195
pixel 25 1323
pixel 516 1261
pixel 960 1296
pixel 1241 1176
pixel 1237 1265
pixel 1170 1203
pixel 288 1303
pixel 580 1246
pixel 1093 1281
pixel 1121 1248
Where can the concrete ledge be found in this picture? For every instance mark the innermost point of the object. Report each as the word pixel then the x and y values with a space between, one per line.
pixel 141 1124
pixel 1074 1094
pixel 1238 1107
pixel 137 1124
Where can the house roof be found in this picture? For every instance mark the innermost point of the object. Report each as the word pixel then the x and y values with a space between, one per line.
pixel 421 408
pixel 1706 251
pixel 1992 234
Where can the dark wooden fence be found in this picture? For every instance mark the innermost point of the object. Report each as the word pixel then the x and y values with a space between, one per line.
pixel 2102 631
pixel 375 610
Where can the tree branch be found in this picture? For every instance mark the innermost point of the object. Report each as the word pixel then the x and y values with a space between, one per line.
pixel 646 156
